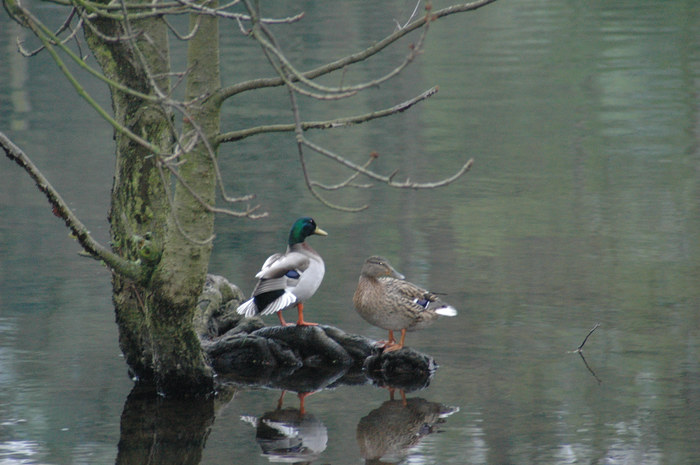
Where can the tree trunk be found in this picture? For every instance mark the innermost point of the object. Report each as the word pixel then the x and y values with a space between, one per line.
pixel 155 314
pixel 179 278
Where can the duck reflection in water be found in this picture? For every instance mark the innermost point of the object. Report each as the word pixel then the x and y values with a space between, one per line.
pixel 387 434
pixel 288 435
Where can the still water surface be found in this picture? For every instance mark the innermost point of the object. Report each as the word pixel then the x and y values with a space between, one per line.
pixel 583 207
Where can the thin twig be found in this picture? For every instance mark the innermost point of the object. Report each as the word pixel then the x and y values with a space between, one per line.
pixel 328 124
pixel 183 37
pixel 408 21
pixel 300 148
pixel 65 26
pixel 348 182
pixel 355 57
pixel 248 213
pixel 290 74
pixel 389 180
pixel 580 348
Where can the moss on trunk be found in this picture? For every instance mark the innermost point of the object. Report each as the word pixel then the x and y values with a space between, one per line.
pixel 154 316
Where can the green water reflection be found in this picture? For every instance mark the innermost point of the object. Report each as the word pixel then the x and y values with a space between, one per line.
pixel 582 208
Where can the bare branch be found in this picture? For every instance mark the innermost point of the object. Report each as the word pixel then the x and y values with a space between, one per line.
pixel 329 124
pixel 283 70
pixel 389 180
pixel 348 182
pixel 179 36
pixel 248 213
pixel 287 73
pixel 410 18
pixel 286 70
pixel 65 26
pixel 355 57
pixel 290 74
pixel 63 211
pixel 300 148
pixel 236 16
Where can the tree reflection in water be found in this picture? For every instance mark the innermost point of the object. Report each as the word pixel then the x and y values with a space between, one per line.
pixel 157 430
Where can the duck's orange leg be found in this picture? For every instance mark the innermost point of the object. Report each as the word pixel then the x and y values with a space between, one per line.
pixel 390 342
pixel 403 395
pixel 300 321
pixel 282 322
pixel 393 347
pixel 302 396
pixel 280 401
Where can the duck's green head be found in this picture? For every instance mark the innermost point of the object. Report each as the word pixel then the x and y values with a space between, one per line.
pixel 303 228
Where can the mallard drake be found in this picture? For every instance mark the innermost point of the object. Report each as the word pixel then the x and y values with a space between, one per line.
pixel 290 278
pixel 384 298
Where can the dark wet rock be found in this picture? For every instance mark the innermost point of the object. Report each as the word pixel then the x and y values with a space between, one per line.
pixel 289 346
pixel 299 358
pixel 311 343
pixel 404 369
pixel 243 351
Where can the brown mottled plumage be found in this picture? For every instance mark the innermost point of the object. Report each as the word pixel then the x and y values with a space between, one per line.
pixel 384 298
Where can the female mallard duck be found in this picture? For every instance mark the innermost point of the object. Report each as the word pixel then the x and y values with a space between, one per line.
pixel 384 298
pixel 288 279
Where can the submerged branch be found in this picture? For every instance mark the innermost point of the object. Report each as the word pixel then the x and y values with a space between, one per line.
pixel 580 347
pixel 588 367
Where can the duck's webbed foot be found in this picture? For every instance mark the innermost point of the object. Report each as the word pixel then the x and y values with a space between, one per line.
pixel 300 320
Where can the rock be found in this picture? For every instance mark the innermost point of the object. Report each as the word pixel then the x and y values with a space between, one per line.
pixel 216 307
pixel 404 369
pixel 244 350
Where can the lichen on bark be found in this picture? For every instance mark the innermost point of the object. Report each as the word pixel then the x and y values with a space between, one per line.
pixel 155 314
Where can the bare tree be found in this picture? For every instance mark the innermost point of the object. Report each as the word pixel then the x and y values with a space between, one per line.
pixel 162 231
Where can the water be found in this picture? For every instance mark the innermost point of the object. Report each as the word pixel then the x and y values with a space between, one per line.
pixel 581 208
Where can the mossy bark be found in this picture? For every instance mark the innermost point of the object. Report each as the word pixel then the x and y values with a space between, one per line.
pixel 155 315
pixel 179 277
